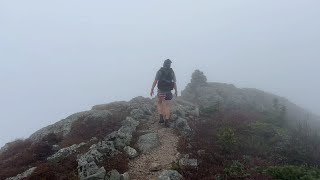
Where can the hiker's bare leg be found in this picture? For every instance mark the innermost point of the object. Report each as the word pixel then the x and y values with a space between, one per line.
pixel 167 109
pixel 160 106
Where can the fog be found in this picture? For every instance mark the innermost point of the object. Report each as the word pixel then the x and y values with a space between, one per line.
pixel 62 57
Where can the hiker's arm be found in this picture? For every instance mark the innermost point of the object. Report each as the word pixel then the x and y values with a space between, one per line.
pixel 153 85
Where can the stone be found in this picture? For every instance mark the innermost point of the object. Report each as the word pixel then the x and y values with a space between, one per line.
pixel 55 148
pixel 155 167
pixel 201 152
pixel 119 138
pixel 174 117
pixel 113 175
pixel 87 169
pixel 131 152
pixel 125 176
pixel 99 175
pixel 183 126
pixel 105 147
pixel 148 142
pixel 184 162
pixel 170 175
pixel 65 152
pixel 130 122
pixel 137 114
pixel 23 175
pixel 122 140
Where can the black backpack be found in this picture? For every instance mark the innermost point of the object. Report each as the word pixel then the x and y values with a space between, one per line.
pixel 165 82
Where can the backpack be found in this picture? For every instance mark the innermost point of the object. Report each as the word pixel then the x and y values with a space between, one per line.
pixel 165 82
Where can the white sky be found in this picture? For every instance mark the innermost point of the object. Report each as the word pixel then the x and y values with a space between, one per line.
pixel 60 57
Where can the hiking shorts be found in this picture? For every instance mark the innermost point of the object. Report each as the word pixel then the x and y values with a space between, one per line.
pixel 165 95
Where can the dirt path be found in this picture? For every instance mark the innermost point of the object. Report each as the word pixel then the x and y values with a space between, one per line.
pixel 164 155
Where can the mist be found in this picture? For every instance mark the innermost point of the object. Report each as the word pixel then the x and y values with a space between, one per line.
pixel 58 58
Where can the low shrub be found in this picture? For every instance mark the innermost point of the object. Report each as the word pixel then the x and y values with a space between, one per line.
pixel 227 139
pixel 294 172
pixel 236 170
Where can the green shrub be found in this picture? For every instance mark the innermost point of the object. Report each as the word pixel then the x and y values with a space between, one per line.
pixel 294 172
pixel 227 139
pixel 236 170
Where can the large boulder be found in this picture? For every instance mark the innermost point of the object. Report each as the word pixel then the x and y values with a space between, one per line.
pixel 148 142
pixel 170 175
pixel 87 167
pixel 183 126
pixel 90 170
pixel 65 152
pixel 119 138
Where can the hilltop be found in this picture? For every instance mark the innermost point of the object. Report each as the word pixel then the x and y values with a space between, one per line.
pixel 218 131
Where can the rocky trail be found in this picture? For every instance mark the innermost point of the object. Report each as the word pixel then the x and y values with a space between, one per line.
pixel 148 166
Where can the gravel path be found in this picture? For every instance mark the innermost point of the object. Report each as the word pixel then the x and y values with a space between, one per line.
pixel 164 155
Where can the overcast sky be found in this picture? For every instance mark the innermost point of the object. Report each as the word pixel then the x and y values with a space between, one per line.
pixel 60 57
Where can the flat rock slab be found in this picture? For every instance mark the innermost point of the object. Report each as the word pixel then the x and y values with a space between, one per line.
pixel 148 142
pixel 170 175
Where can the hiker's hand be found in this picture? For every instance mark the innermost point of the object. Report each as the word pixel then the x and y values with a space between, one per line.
pixel 152 92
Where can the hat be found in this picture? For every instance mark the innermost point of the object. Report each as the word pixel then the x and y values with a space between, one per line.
pixel 167 63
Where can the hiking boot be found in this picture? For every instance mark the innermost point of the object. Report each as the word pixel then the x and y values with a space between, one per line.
pixel 161 119
pixel 166 123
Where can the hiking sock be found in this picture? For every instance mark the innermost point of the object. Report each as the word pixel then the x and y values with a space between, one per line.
pixel 161 119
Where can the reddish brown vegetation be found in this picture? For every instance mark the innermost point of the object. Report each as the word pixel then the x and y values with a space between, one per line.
pixel 215 160
pixel 118 162
pixel 83 130
pixel 21 155
pixel 64 170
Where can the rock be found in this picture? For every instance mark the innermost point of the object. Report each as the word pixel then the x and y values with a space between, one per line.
pixel 94 139
pixel 99 175
pixel 23 175
pixel 148 142
pixel 184 162
pixel 127 130
pixel 120 139
pixel 170 175
pixel 114 106
pixel 178 156
pixel 130 122
pixel 125 176
pixel 137 114
pixel 183 126
pixel 99 151
pixel 201 152
pixel 113 175
pixel 105 147
pixel 55 148
pixel 174 117
pixel 65 152
pixel 87 166
pixel 4 148
pixel 155 167
pixel 132 153
pixel 89 170
pixel 63 127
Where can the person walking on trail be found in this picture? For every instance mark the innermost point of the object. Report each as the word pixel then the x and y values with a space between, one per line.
pixel 166 81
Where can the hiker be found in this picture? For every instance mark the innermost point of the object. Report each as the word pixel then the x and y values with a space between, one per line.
pixel 166 81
